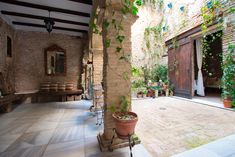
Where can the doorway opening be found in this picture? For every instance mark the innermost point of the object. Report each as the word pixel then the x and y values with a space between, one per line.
pixel 207 67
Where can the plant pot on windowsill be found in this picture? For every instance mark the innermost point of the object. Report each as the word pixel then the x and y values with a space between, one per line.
pixel 125 123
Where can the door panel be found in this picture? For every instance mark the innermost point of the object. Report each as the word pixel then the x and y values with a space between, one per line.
pixel 180 69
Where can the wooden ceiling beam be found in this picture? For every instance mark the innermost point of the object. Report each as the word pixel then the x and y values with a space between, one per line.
pixel 43 26
pixel 43 7
pixel 42 18
pixel 83 1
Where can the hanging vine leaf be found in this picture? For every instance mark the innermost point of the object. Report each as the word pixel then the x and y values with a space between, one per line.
pixel 134 10
pixel 120 38
pixel 125 76
pixel 138 2
pixel 118 49
pixel 105 23
pixel 125 9
pixel 107 43
pixel 125 57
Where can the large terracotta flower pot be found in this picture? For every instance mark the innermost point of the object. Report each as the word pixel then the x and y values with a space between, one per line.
pixel 227 103
pixel 125 127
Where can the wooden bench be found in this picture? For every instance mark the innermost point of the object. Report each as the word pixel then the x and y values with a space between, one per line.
pixel 61 94
pixel 8 102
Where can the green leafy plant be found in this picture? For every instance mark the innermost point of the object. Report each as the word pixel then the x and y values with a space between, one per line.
pixel 231 10
pixel 228 79
pixel 122 110
pixel 159 72
pixel 211 12
pixel 154 43
pixel 207 51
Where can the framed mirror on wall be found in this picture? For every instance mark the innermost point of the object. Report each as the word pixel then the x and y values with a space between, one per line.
pixel 55 61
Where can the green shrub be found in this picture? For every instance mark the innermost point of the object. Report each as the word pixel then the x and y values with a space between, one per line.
pixel 159 72
pixel 228 79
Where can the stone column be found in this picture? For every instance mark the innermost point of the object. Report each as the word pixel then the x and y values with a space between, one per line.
pixel 116 71
pixel 97 58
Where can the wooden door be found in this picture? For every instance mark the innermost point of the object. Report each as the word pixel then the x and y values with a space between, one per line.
pixel 180 68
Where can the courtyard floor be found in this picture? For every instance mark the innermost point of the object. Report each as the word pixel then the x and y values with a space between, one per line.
pixel 60 129
pixel 169 126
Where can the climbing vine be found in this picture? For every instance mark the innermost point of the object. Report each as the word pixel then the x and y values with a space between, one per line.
pixel 155 4
pixel 211 15
pixel 153 43
pixel 128 6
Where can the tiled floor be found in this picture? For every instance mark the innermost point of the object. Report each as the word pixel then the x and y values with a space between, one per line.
pixel 168 126
pixel 224 147
pixel 65 129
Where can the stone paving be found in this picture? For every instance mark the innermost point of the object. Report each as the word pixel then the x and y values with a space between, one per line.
pixel 58 129
pixel 168 126
pixel 224 147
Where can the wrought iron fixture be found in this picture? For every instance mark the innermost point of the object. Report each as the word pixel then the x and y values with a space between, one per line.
pixel 49 23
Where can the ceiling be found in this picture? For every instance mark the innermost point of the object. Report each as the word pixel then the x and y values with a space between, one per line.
pixel 71 16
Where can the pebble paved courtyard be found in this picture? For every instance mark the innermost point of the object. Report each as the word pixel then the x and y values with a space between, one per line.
pixel 169 126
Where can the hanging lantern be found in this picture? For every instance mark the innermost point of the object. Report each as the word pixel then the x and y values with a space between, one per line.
pixel 49 23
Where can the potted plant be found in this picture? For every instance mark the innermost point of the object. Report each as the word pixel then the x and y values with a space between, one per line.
pixel 125 121
pixel 171 90
pixel 145 93
pixel 140 94
pixel 228 79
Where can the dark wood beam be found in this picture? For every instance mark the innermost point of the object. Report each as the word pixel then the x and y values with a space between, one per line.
pixel 43 7
pixel 83 1
pixel 43 26
pixel 42 18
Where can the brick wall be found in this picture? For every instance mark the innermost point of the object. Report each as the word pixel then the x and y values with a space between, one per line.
pixel 229 24
pixel 29 62
pixel 6 63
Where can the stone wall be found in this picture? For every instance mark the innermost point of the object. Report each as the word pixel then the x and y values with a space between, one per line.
pixel 29 62
pixel 6 63
pixel 229 25
pixel 174 20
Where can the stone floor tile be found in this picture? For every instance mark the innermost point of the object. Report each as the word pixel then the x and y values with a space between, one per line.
pixel 35 151
pixel 7 140
pixel 223 147
pixel 92 150
pixel 66 149
pixel 32 139
pixel 202 152
pixel 65 124
pixel 67 134
pixel 41 126
pixel 15 128
pixel 92 129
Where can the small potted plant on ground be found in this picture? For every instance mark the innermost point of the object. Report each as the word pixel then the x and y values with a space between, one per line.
pixel 140 94
pixel 228 79
pixel 125 121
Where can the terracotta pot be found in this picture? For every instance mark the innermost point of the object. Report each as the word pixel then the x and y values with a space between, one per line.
pixel 125 127
pixel 139 95
pixel 227 103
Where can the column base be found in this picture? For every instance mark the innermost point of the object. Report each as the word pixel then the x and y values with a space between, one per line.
pixel 105 145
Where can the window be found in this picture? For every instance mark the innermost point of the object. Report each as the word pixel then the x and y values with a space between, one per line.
pixel 9 47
